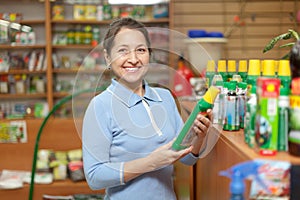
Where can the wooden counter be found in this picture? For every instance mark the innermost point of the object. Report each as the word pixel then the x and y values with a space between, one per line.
pixel 229 150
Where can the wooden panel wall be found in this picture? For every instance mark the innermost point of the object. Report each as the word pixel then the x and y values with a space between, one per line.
pixel 264 19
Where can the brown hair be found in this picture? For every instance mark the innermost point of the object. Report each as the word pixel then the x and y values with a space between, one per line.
pixel 117 25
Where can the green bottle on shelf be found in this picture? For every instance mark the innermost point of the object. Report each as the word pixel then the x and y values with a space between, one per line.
pixel 210 72
pixel 284 73
pixel 231 69
pixel 254 71
pixel 268 69
pixel 186 135
pixel 222 69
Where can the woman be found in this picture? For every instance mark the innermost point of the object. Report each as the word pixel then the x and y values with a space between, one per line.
pixel 129 128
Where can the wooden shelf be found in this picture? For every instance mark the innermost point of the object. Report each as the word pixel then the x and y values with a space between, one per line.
pixel 32 21
pixel 35 46
pixel 73 46
pixel 22 96
pixel 107 22
pixel 22 71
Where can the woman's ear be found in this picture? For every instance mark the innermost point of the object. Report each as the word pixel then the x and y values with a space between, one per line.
pixel 107 57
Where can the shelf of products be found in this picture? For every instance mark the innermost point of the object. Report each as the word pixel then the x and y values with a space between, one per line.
pixel 66 38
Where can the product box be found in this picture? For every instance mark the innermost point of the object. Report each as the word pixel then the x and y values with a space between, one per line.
pixel 266 123
pixel 294 125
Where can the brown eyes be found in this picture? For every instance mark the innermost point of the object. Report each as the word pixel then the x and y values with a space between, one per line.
pixel 125 51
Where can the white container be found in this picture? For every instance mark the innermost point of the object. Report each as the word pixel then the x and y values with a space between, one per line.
pixel 200 50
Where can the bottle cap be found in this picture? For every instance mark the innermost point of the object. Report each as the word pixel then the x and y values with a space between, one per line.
pixel 210 67
pixel 269 68
pixel 243 66
pixel 254 67
pixel 221 65
pixel 284 68
pixel 231 66
pixel 211 94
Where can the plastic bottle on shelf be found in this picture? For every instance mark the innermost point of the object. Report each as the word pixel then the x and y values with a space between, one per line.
pixel 242 95
pixel 284 73
pixel 218 109
pixel 210 72
pixel 231 122
pixel 187 134
pixel 231 69
pixel 182 86
pixel 283 109
pixel 253 72
pixel 222 69
pixel 268 69
pixel 237 78
pixel 242 70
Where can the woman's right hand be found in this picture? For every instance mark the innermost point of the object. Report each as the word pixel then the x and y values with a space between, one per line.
pixel 165 155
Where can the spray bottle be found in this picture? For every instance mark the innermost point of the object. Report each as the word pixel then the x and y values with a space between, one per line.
pixel 238 173
pixel 187 134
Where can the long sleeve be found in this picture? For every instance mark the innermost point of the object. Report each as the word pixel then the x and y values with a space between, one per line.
pixel 96 142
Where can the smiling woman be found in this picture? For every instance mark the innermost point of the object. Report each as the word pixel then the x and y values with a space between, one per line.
pixel 129 128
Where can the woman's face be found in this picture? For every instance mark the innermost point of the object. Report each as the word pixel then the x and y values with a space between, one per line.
pixel 129 57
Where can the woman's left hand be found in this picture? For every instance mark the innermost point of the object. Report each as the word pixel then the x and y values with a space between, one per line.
pixel 201 125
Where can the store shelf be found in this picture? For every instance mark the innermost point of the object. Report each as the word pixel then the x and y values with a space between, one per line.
pixel 73 46
pixel 32 22
pixel 10 46
pixel 22 71
pixel 107 22
pixel 22 96
pixel 235 140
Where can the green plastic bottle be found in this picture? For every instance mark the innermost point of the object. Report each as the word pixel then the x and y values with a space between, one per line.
pixel 283 122
pixel 222 69
pixel 284 73
pixel 249 126
pixel 242 70
pixel 210 72
pixel 253 72
pixel 232 120
pixel 187 134
pixel 231 69
pixel 242 94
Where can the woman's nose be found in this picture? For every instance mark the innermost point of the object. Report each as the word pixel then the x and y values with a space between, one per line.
pixel 132 57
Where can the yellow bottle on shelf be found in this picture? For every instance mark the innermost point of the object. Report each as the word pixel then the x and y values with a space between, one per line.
pixel 231 69
pixel 284 73
pixel 242 70
pixel 210 72
pixel 253 72
pixel 222 69
pixel 268 68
